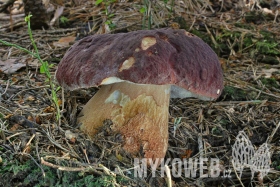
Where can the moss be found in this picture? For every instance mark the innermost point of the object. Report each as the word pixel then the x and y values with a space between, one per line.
pixel 228 34
pixel 91 181
pixel 35 176
pixel 29 174
pixel 202 35
pixel 247 41
pixel 267 59
pixel 268 47
pixel 244 26
pixel 217 131
pixel 254 17
pixel 231 93
pixel 206 38
pixel 182 22
pixel 276 163
pixel 242 40
pixel 224 122
pixel 270 82
pixel 267 35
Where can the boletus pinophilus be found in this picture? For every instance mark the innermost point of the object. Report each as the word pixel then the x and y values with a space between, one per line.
pixel 137 73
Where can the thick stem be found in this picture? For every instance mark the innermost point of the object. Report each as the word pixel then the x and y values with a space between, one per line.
pixel 138 112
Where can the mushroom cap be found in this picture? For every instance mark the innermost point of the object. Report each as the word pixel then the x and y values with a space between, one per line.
pixel 162 56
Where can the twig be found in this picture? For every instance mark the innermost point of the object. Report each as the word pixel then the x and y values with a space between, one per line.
pixel 194 20
pixel 273 133
pixel 4 108
pixel 211 36
pixel 272 95
pixel 6 88
pixel 16 134
pixel 107 171
pixel 58 145
pixel 237 174
pixel 168 176
pixel 62 168
pixel 85 152
pixel 28 143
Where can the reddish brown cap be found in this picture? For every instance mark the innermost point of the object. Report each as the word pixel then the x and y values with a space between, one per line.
pixel 163 56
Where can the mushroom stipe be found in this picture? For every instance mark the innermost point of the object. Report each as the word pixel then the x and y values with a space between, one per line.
pixel 138 112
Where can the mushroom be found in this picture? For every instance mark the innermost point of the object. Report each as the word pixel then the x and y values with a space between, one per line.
pixel 138 73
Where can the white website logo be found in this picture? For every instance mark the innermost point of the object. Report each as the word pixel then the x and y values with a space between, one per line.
pixel 180 167
pixel 243 156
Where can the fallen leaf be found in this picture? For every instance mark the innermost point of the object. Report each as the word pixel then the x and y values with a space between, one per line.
pixel 11 65
pixel 187 154
pixel 48 109
pixel 69 135
pixel 57 14
pixel 64 41
pixel 268 72
pixel 15 127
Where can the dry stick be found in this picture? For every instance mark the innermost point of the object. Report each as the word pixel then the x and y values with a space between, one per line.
pixel 246 85
pixel 13 96
pixel 109 173
pixel 222 5
pixel 211 36
pixel 88 168
pixel 58 145
pixel 28 143
pixel 237 174
pixel 273 133
pixel 275 17
pixel 85 152
pixel 168 175
pixel 272 95
pixel 106 170
pixel 4 108
pixel 62 168
pixel 119 171
pixel 17 23
pixel 200 145
pixel 13 135
pixel 37 148
pixel 6 88
pixel 194 20
pixel 63 99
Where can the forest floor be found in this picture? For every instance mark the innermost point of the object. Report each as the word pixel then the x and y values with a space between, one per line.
pixel 36 149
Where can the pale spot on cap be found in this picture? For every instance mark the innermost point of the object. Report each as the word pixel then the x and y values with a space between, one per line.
pixel 127 64
pixel 148 42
